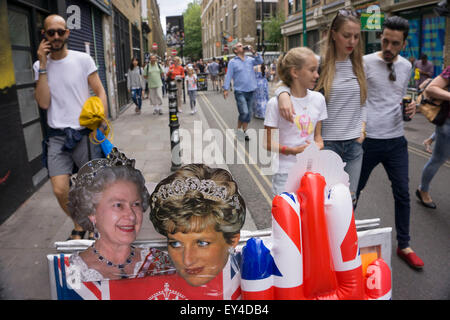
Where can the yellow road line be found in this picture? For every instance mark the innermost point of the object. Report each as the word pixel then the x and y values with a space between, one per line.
pixel 219 122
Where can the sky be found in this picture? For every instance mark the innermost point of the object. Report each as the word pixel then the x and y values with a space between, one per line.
pixel 171 8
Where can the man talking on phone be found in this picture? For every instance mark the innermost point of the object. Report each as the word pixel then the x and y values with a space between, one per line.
pixel 240 69
pixel 63 78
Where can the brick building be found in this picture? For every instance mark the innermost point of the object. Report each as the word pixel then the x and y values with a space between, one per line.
pixel 225 22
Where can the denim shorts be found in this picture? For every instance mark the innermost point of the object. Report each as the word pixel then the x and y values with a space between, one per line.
pixel 244 102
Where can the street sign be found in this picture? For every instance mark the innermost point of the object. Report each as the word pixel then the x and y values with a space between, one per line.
pixel 155 46
pixel 371 21
pixel 174 52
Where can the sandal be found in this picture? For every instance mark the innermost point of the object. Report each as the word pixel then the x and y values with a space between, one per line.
pixel 76 233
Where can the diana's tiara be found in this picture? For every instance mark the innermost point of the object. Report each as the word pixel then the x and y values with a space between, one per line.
pixel 209 189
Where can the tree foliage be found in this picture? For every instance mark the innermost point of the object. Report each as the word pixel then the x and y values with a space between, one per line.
pixel 272 30
pixel 193 31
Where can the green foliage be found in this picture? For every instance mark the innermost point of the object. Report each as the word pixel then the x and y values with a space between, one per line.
pixel 193 31
pixel 272 31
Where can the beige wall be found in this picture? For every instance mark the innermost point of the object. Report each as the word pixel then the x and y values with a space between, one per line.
pixel 133 14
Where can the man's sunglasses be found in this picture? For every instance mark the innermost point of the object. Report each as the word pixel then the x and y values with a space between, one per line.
pixel 52 32
pixel 392 75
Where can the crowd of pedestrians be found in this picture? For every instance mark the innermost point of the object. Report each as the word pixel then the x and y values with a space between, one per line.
pixel 334 101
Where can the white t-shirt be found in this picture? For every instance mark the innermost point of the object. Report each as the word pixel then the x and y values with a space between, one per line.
pixel 191 82
pixel 384 97
pixel 308 111
pixel 69 89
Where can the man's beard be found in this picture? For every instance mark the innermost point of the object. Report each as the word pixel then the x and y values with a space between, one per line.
pixel 388 56
pixel 63 43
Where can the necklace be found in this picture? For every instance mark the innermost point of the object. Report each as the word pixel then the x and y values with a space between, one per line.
pixel 121 267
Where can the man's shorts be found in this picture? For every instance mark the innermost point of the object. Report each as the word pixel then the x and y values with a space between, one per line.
pixel 213 77
pixel 62 162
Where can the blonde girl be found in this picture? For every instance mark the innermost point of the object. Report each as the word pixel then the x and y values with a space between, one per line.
pixel 298 71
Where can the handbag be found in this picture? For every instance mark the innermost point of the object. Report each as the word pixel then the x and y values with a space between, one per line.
pixel 92 115
pixel 435 111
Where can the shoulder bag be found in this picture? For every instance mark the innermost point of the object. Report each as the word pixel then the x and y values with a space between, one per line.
pixel 436 111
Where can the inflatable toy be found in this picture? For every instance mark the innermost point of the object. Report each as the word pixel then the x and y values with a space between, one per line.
pixel 315 253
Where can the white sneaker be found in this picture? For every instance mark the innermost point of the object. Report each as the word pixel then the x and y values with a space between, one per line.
pixel 192 111
pixel 240 135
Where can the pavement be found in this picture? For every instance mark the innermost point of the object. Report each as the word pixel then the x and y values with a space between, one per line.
pixel 31 232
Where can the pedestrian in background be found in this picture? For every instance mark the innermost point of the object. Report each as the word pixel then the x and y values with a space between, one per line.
pixel 261 93
pixel 153 73
pixel 221 75
pixel 136 83
pixel 388 75
pixel 240 70
pixel 63 79
pixel 343 82
pixel 213 70
pixel 437 89
pixel 176 72
pixel 191 80
pixel 425 68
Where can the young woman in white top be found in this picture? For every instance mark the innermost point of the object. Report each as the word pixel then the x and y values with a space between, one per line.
pixel 343 82
pixel 298 71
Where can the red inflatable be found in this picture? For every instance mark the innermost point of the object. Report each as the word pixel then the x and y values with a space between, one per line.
pixel 315 249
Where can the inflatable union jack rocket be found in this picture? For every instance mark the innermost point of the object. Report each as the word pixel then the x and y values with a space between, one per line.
pixel 315 253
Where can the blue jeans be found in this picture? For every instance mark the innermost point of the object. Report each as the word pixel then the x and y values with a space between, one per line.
pixel 192 96
pixel 351 153
pixel 136 96
pixel 244 101
pixel 441 153
pixel 393 155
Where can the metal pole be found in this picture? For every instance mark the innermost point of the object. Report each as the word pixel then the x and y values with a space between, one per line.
pixel 174 127
pixel 305 36
pixel 262 29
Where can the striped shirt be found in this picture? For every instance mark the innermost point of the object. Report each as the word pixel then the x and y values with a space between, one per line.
pixel 345 113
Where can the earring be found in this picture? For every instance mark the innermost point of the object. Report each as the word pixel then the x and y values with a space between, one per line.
pixel 96 233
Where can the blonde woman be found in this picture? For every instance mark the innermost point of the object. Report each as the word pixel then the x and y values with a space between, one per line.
pixel 343 82
pixel 176 72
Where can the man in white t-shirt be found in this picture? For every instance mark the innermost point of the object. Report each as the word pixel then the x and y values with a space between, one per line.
pixel 63 78
pixel 387 82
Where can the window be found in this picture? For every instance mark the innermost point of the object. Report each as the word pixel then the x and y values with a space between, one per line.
pixel 290 6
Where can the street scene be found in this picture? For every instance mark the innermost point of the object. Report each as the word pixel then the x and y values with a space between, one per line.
pixel 224 150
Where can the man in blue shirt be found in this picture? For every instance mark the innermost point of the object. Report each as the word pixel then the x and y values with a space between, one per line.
pixel 240 69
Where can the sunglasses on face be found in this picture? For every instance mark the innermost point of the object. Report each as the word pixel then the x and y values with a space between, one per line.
pixel 52 32
pixel 392 75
